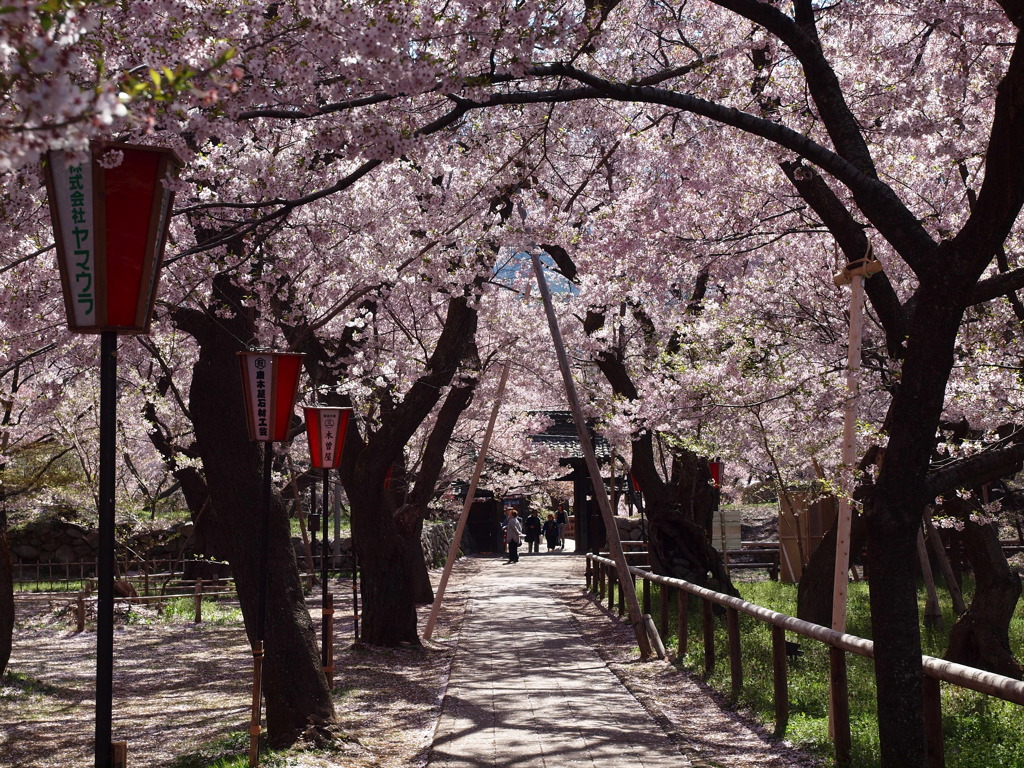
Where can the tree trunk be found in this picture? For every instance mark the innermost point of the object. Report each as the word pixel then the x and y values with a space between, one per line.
pixel 678 513
pixel 387 584
pixel 294 685
pixel 981 636
pixel 895 511
pixel 6 597
pixel 816 589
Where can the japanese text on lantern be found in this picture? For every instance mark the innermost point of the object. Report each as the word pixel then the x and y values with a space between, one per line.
pixel 262 425
pixel 73 188
pixel 330 425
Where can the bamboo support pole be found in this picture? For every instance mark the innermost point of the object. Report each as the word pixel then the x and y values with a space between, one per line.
pixel 614 543
pixel 453 549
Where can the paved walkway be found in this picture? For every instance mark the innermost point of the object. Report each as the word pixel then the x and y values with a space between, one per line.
pixel 527 692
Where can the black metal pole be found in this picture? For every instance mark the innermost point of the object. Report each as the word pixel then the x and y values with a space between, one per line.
pixel 105 566
pixel 313 528
pixel 326 638
pixel 261 611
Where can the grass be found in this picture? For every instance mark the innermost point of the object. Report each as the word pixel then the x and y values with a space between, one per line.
pixel 178 610
pixel 231 751
pixel 969 719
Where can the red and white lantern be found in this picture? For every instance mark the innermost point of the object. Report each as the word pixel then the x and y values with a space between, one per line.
pixel 715 468
pixel 270 382
pixel 110 216
pixel 325 428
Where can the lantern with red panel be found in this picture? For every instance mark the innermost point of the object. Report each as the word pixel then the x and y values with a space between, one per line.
pixel 270 382
pixel 110 209
pixel 325 428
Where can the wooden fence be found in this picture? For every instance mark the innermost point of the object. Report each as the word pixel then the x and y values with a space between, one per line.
pixel 602 579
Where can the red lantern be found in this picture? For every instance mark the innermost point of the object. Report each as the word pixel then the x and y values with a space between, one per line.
pixel 270 381
pixel 325 428
pixel 110 216
pixel 715 467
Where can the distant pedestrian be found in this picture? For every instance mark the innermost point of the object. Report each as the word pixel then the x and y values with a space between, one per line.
pixel 562 519
pixel 551 532
pixel 533 528
pixel 513 536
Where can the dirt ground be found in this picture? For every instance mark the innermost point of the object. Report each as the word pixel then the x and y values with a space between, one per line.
pixel 180 686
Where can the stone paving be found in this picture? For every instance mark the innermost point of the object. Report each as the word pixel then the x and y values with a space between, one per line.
pixel 527 692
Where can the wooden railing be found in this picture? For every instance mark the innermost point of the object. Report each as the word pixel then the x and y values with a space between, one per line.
pixel 603 580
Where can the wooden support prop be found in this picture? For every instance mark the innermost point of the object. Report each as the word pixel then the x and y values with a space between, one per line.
pixel 735 656
pixel 600 494
pixel 840 704
pixel 939 553
pixel 254 720
pixel 850 408
pixel 934 737
pixel 682 621
pixel 453 549
pixel 932 610
pixel 119 754
pixel 780 674
pixel 708 624
pixel 652 633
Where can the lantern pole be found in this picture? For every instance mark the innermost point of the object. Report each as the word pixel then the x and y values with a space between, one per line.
pixel 614 543
pixel 261 610
pixel 105 564
pixel 327 607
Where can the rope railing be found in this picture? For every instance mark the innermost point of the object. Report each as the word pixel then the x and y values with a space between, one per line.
pixel 602 578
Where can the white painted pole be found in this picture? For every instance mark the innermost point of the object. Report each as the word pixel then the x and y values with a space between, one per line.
pixel 453 550
pixel 614 544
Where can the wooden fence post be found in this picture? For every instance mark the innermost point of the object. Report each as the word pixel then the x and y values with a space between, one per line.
pixel 199 601
pixel 708 621
pixel 779 677
pixel 663 593
pixel 600 581
pixel 613 582
pixel 735 657
pixel 647 595
pixel 934 737
pixel 80 613
pixel 622 590
pixel 840 704
pixel 682 620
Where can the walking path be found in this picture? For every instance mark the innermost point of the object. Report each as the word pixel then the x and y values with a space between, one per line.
pixel 527 692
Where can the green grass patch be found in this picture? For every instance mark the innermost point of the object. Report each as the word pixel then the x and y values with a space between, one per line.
pixel 981 731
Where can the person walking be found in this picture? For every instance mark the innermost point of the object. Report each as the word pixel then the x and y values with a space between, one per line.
pixel 533 528
pixel 562 519
pixel 551 532
pixel 513 536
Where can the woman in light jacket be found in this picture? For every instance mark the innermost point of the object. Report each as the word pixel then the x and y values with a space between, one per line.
pixel 513 536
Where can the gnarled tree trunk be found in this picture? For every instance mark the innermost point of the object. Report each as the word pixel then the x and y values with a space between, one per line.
pixel 981 636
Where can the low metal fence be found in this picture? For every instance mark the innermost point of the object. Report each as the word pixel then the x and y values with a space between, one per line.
pixel 602 579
